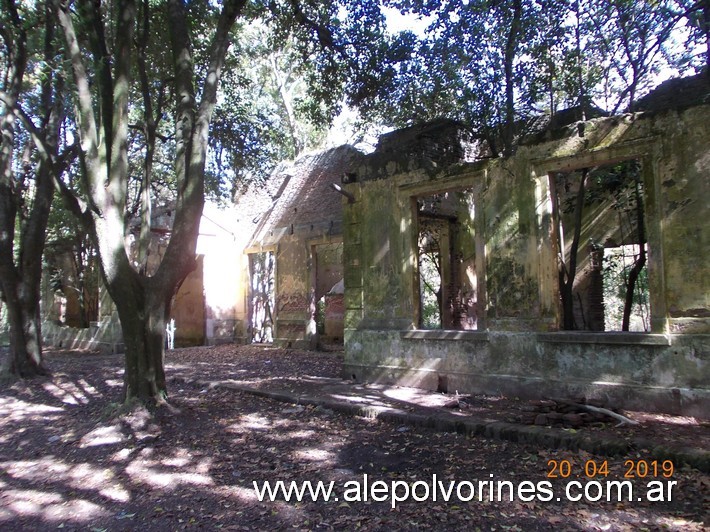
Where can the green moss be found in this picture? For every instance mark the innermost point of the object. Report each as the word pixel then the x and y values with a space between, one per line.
pixel 511 291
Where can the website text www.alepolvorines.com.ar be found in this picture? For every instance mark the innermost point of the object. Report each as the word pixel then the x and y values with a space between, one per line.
pixel 437 490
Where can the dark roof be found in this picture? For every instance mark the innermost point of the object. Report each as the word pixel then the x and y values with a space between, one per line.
pixel 306 203
pixel 677 93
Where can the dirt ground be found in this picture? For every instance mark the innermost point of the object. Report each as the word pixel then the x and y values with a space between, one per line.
pixel 67 461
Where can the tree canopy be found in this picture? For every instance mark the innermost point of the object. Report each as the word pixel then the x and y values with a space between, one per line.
pixel 494 63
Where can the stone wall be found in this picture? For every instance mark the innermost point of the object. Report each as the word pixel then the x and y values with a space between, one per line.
pixel 516 249
pixel 104 336
pixel 620 369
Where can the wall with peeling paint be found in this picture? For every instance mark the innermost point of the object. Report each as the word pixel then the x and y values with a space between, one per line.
pixel 304 221
pixel 519 348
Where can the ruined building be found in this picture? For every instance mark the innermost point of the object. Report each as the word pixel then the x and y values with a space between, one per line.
pixel 457 265
pixel 446 268
pixel 269 267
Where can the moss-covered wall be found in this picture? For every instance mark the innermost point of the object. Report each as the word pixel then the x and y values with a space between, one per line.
pixel 514 247
pixel 379 256
pixel 516 265
pixel 682 187
pixel 513 215
pixel 294 303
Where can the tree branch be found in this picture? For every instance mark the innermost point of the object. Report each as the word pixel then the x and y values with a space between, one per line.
pixel 150 136
pixel 118 173
pixel 623 420
pixel 88 132
pixel 91 9
pixel 192 135
pixel 325 36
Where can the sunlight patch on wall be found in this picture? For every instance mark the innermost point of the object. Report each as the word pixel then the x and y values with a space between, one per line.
pixel 221 248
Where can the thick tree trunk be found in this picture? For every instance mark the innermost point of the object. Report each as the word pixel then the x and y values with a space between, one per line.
pixel 143 307
pixel 142 303
pixel 144 337
pixel 24 359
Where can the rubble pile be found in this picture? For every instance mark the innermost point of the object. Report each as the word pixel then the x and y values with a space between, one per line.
pixel 566 413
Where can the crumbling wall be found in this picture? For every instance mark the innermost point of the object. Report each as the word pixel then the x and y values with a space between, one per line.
pixel 295 301
pixel 523 350
pixel 306 215
pixel 519 265
pixel 680 199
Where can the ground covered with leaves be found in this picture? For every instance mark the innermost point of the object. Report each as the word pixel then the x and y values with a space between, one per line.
pixel 69 461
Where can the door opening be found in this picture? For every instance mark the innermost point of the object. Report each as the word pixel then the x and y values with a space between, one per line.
pixel 261 297
pixel 447 280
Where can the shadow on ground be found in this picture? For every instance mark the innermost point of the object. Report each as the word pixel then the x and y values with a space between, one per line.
pixel 66 461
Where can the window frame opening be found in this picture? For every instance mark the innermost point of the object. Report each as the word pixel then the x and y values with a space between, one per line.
pixel 595 210
pixel 445 277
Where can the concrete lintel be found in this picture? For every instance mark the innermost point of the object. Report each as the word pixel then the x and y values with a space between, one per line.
pixel 605 154
pixel 385 324
pixel 420 334
pixel 601 338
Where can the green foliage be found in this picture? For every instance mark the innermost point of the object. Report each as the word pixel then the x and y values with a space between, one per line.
pixel 617 265
pixel 430 274
pixel 611 219
pixel 615 183
pixel 320 316
pixel 494 64
pixel 289 69
pixel 263 116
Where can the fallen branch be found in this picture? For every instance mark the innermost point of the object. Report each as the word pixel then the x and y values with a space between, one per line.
pixel 622 419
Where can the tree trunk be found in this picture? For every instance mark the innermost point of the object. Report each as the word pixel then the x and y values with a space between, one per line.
pixel 568 271
pixel 22 233
pixel 24 359
pixel 144 337
pixel 511 49
pixel 639 263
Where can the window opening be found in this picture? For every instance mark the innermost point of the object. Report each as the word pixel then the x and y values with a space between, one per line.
pixel 430 273
pixel 261 299
pixel 600 221
pixel 446 270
